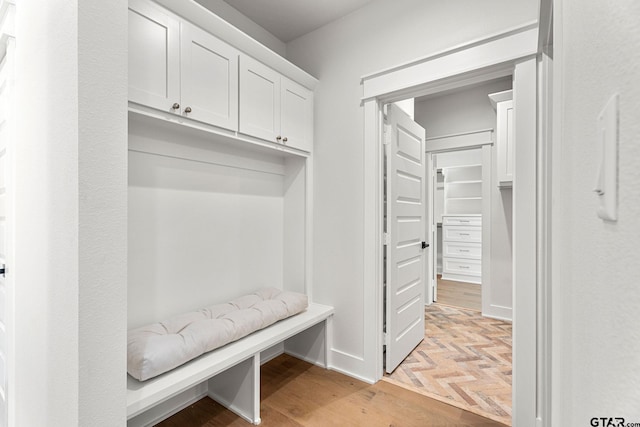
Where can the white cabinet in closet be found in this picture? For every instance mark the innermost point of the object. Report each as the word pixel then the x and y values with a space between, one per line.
pixel 178 68
pixel 502 102
pixel 462 248
pixel 274 108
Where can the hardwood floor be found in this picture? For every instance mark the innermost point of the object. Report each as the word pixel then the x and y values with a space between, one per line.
pixel 459 294
pixel 295 393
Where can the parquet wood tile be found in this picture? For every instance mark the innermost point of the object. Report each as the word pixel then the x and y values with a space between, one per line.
pixel 464 360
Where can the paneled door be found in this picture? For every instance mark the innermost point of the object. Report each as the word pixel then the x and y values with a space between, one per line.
pixel 406 231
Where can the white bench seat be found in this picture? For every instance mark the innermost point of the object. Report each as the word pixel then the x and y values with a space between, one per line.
pixel 142 396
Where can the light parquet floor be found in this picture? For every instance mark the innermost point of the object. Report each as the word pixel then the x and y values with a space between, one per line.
pixel 464 360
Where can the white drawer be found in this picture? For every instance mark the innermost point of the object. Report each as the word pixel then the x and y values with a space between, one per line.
pixel 469 267
pixel 462 250
pixel 462 220
pixel 462 234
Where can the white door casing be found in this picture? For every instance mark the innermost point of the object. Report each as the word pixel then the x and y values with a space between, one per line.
pixel 7 140
pixel 406 227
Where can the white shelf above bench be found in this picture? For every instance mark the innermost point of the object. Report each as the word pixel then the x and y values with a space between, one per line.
pixel 142 396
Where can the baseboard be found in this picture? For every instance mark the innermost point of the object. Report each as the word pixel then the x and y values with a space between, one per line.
pixel 349 364
pixel 169 407
pixel 306 358
pixel 498 312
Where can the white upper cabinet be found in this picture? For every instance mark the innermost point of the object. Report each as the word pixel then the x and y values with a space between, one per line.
pixel 503 104
pixel 296 115
pixel 154 56
pixel 273 107
pixel 259 100
pixel 178 68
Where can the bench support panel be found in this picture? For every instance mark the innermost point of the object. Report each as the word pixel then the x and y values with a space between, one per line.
pixel 238 389
pixel 309 345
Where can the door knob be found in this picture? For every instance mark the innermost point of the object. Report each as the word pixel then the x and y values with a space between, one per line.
pixel 175 106
pixel 285 139
pixel 278 138
pixel 425 245
pixel 187 110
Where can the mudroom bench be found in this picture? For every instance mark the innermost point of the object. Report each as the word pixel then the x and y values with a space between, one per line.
pixel 231 374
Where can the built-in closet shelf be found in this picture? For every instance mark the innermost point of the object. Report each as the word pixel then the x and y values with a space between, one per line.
pixel 161 120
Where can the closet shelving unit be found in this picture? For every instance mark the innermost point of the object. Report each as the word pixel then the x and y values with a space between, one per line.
pixel 463 189
pixel 462 223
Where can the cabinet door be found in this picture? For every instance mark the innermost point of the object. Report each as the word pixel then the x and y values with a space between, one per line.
pixel 259 100
pixel 505 142
pixel 296 115
pixel 154 57
pixel 209 81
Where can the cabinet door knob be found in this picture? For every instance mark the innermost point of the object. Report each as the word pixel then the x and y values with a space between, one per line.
pixel 284 139
pixel 175 106
pixel 278 138
pixel 187 110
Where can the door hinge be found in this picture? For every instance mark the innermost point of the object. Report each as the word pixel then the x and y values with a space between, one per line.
pixel 386 140
pixel 386 238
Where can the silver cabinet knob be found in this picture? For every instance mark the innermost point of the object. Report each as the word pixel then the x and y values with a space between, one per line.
pixel 278 138
pixel 284 139
pixel 175 106
pixel 187 110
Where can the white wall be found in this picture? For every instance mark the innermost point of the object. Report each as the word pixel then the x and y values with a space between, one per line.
pixel 380 35
pixel 70 265
pixel 243 23
pixel 204 228
pixel 596 303
pixel 464 111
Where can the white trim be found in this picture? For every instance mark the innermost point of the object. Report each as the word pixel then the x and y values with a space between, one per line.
pixel 480 59
pixel 373 232
pixel 489 54
pixel 525 244
pixel 460 141
pixel 448 51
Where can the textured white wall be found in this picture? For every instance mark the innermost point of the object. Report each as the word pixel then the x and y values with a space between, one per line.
pixel 597 302
pixel 380 35
pixel 70 270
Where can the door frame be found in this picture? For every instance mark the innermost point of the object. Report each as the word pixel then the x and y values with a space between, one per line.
pixel 511 53
pixel 487 168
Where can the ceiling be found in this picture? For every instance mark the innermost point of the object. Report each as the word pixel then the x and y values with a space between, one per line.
pixel 290 19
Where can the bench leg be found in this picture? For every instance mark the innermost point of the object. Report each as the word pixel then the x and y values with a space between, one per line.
pixel 310 345
pixel 238 389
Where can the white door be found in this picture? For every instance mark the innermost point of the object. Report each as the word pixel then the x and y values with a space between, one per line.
pixel 154 57
pixel 6 220
pixel 406 228
pixel 209 81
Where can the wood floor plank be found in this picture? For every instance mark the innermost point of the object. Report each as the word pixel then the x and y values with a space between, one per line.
pixel 295 394
pixel 459 294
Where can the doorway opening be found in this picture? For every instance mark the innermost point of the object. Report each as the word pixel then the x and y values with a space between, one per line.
pixel 466 355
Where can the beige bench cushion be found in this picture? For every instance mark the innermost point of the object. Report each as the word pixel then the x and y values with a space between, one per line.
pixel 160 347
